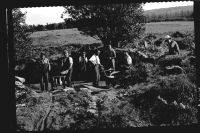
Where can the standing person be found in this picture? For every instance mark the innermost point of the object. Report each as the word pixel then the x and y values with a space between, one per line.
pixel 172 46
pixel 82 64
pixel 110 56
pixel 45 68
pixel 96 64
pixel 82 60
pixel 66 70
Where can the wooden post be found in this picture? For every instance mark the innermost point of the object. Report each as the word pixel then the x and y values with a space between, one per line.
pixel 8 90
pixel 11 62
pixel 197 48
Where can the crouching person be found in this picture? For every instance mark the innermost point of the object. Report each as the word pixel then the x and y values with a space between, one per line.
pixel 96 66
pixel 66 64
pixel 172 46
pixel 45 68
pixel 127 62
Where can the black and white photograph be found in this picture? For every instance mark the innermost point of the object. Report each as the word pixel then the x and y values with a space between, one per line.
pixel 115 65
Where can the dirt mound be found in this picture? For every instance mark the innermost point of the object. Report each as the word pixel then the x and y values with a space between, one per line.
pixel 169 60
pixel 75 109
pixel 165 100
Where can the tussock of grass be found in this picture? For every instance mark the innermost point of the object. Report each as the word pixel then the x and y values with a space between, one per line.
pixel 171 88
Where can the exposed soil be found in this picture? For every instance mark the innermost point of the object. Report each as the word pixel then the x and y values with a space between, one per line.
pixel 150 95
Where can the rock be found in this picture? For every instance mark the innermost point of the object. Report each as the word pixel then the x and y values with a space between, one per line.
pixel 20 79
pixel 175 103
pixel 68 89
pixel 20 105
pixel 161 99
pixel 19 85
pixel 182 106
pixel 146 44
pixel 142 54
pixel 174 69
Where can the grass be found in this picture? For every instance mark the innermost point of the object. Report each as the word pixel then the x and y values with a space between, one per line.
pixel 61 37
pixel 171 10
pixel 170 26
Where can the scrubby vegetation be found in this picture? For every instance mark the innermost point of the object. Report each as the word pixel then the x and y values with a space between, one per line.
pixel 147 95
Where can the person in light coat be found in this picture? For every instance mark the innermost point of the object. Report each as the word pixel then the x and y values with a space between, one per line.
pixel 96 66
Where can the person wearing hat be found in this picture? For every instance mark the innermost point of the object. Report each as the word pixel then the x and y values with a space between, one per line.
pixel 45 68
pixel 66 68
pixel 172 45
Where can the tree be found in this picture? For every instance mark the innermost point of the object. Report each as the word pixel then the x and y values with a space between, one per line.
pixel 61 25
pixel 112 23
pixel 39 27
pixel 21 39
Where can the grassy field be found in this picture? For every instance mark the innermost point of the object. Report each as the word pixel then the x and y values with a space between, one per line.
pixel 61 37
pixel 170 10
pixel 73 36
pixel 163 27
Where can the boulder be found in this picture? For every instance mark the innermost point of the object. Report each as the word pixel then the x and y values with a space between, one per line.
pixel 20 79
pixel 173 70
pixel 19 85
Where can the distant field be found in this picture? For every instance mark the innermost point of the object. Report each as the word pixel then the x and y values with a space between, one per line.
pixel 170 10
pixel 73 36
pixel 171 26
pixel 61 37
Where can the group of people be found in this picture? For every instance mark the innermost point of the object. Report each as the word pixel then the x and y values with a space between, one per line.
pixel 66 70
pixel 93 62
pixel 92 65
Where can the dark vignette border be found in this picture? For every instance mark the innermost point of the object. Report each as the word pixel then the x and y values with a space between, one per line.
pixel 7 53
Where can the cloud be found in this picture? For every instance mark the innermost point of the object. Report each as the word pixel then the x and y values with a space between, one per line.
pixel 43 15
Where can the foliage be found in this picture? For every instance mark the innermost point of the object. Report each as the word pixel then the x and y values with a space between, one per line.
pixel 21 39
pixel 53 26
pixel 185 42
pixel 112 23
pixel 39 27
pixel 171 88
pixel 136 74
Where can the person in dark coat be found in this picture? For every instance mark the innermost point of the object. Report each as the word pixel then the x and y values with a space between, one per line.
pixel 109 57
pixel 82 62
pixel 45 68
pixel 172 45
pixel 66 68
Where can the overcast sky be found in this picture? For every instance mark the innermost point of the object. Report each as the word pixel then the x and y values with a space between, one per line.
pixel 43 15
